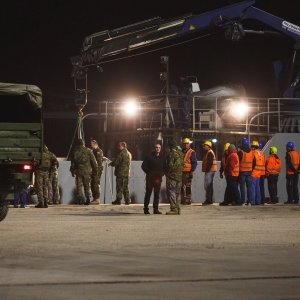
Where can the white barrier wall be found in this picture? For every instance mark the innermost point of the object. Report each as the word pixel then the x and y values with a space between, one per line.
pixel 137 178
pixel 136 184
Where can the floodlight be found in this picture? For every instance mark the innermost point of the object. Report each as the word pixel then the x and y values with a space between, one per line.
pixel 239 109
pixel 130 107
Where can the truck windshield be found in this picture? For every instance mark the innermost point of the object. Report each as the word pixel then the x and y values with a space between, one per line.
pixel 17 109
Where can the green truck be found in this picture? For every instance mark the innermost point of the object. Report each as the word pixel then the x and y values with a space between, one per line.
pixel 21 139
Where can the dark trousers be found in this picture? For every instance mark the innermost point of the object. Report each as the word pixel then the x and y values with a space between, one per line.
pixel 232 193
pixel 272 187
pixel 292 188
pixel 245 181
pixel 262 188
pixel 153 182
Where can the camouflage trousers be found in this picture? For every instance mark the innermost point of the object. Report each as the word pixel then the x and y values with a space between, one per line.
pixel 42 183
pixel 54 196
pixel 173 193
pixel 186 189
pixel 95 185
pixel 84 182
pixel 122 188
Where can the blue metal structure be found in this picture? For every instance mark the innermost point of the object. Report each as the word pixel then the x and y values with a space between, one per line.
pixel 102 46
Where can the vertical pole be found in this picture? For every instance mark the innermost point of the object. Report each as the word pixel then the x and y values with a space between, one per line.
pixel 194 112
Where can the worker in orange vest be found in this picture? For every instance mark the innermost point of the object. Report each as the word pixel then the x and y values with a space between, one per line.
pixel 273 167
pixel 209 167
pixel 246 164
pixel 223 159
pixel 190 165
pixel 232 175
pixel 263 174
pixel 257 171
pixel 292 173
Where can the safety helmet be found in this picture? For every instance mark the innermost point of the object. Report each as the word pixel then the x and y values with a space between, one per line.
pixel 208 143
pixel 260 145
pixel 226 146
pixel 290 145
pixel 186 141
pixel 273 150
pixel 254 144
pixel 245 142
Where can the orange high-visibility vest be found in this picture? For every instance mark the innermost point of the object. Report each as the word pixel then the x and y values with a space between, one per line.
pixel 273 165
pixel 294 160
pixel 259 168
pixel 204 163
pixel 236 170
pixel 263 171
pixel 187 167
pixel 246 161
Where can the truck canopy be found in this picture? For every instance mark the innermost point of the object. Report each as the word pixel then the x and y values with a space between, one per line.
pixel 31 92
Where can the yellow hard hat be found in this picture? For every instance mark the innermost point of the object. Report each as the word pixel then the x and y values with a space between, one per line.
pixel 208 143
pixel 273 150
pixel 186 141
pixel 254 144
pixel 226 146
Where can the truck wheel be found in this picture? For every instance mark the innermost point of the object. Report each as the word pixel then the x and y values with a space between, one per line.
pixel 3 210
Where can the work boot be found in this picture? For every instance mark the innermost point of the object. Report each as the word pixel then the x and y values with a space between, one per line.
pixel 40 205
pixel 207 203
pixel 172 212
pixel 146 211
pixel 87 202
pixel 45 205
pixel 127 202
pixel 96 201
pixel 156 211
pixel 116 202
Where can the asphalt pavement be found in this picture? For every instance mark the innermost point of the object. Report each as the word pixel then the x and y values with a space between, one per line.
pixel 117 252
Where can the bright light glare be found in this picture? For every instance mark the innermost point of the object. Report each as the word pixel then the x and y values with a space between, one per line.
pixel 214 141
pixel 130 107
pixel 239 109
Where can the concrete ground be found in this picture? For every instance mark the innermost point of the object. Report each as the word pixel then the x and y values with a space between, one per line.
pixel 108 252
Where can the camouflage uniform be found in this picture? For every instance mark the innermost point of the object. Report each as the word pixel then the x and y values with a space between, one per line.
pixel 95 178
pixel 83 163
pixel 42 176
pixel 122 170
pixel 173 171
pixel 54 196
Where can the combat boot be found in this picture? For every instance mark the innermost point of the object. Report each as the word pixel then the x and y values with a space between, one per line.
pixel 156 211
pixel 172 212
pixel 116 202
pixel 146 211
pixel 45 205
pixel 87 202
pixel 96 201
pixel 40 205
pixel 127 202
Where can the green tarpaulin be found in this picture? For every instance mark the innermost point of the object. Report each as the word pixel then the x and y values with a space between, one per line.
pixel 32 92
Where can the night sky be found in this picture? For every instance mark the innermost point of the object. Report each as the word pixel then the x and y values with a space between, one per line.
pixel 39 37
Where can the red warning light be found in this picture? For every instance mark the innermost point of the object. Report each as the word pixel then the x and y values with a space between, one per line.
pixel 27 167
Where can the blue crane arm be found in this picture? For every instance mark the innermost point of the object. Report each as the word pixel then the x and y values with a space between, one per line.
pixel 285 27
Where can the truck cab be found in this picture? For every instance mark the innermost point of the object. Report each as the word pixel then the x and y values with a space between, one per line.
pixel 21 139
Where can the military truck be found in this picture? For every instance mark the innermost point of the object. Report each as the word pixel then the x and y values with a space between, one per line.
pixel 21 139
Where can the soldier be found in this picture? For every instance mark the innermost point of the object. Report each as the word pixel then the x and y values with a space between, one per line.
pixel 42 177
pixel 190 165
pixel 173 170
pixel 83 164
pixel 209 167
pixel 122 171
pixel 54 196
pixel 96 178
